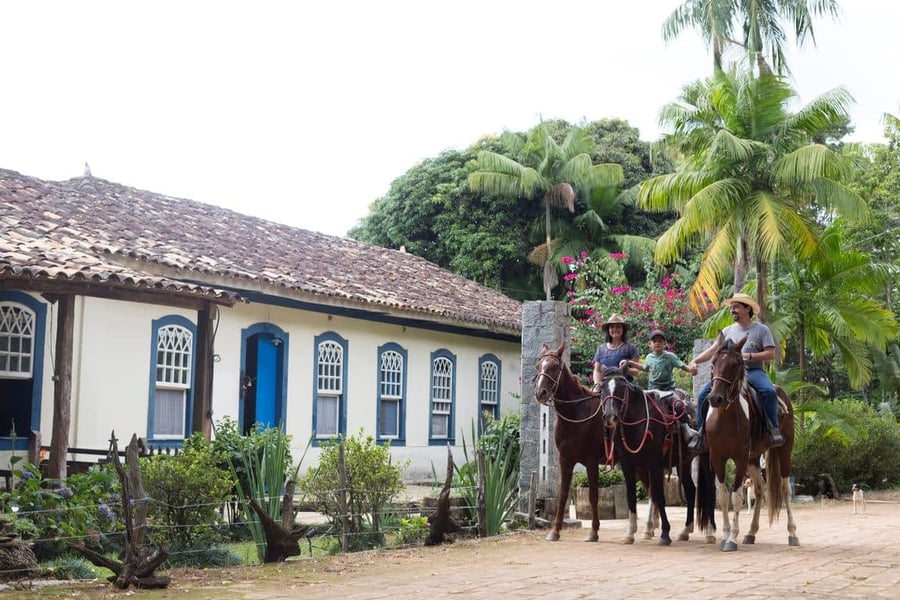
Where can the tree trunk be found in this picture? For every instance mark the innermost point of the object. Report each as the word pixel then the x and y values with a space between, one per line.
pixel 202 417
pixel 442 522
pixel 62 388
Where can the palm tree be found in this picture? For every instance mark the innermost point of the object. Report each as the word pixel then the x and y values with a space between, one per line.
pixel 751 186
pixel 829 304
pixel 760 22
pixel 536 167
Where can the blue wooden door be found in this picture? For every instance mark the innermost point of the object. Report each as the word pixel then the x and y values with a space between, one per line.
pixel 266 382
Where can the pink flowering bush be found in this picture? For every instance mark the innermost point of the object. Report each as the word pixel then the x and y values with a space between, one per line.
pixel 597 287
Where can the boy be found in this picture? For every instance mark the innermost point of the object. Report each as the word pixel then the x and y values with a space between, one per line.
pixel 659 365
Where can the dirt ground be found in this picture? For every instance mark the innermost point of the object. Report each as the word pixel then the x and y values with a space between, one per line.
pixel 841 555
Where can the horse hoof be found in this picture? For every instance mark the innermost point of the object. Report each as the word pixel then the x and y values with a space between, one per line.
pixel 627 540
pixel 728 546
pixel 683 537
pixel 665 541
pixel 749 539
pixel 710 539
pixel 552 536
pixel 592 538
pixel 648 535
pixel 793 540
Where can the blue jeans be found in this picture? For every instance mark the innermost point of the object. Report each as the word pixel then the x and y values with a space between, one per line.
pixel 758 380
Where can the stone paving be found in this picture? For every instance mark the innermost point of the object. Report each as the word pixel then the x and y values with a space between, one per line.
pixel 841 556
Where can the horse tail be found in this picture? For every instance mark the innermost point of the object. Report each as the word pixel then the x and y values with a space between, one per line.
pixel 778 461
pixel 706 492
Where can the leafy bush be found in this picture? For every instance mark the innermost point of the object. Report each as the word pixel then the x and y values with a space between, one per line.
pixel 605 478
pixel 501 450
pixel 67 567
pixel 186 491
pixel 205 558
pixel 413 530
pixel 868 453
pixel 372 482
pixel 53 513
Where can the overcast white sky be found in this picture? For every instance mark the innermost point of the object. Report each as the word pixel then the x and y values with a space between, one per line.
pixel 304 112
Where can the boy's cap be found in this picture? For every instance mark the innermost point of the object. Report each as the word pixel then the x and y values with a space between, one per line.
pixel 657 333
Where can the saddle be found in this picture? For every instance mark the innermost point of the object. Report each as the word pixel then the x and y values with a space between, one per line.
pixel 758 425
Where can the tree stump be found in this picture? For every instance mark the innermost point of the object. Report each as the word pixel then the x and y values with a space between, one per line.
pixel 442 522
pixel 282 540
pixel 138 562
pixel 17 560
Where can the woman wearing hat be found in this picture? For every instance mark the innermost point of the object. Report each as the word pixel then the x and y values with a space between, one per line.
pixel 615 350
pixel 760 347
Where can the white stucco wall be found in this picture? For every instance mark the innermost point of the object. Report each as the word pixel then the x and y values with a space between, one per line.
pixel 111 375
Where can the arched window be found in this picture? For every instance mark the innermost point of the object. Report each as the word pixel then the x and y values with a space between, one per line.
pixel 443 392
pixel 329 410
pixel 488 388
pixel 391 393
pixel 17 327
pixel 171 393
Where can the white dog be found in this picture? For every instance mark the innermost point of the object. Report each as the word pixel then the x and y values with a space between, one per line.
pixel 859 500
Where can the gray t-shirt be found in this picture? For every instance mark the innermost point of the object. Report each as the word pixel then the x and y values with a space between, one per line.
pixel 759 337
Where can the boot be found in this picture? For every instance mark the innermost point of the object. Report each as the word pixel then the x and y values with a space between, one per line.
pixel 775 437
pixel 688 432
pixel 698 442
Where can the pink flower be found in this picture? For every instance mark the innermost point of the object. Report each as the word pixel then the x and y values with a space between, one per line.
pixel 617 255
pixel 584 254
pixel 567 259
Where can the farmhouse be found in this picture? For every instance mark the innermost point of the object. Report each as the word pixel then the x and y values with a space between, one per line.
pixel 127 310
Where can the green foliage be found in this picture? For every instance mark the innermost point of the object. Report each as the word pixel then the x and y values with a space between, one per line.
pixel 501 474
pixel 372 481
pixel 67 567
pixel 212 557
pixel 412 531
pixel 868 453
pixel 187 490
pixel 606 477
pixel 51 513
pixel 597 288
pixel 260 463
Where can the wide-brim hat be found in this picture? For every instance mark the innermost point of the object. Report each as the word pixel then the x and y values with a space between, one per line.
pixel 616 319
pixel 744 299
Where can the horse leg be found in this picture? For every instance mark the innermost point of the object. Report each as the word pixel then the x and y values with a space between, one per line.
pixel 729 544
pixel 631 493
pixel 690 498
pixel 793 540
pixel 650 525
pixel 658 493
pixel 756 476
pixel 565 480
pixel 593 497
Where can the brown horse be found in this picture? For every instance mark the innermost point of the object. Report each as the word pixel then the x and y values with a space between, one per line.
pixel 578 434
pixel 636 428
pixel 736 430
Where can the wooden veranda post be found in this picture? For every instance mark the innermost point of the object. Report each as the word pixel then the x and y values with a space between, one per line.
pixel 201 420
pixel 62 386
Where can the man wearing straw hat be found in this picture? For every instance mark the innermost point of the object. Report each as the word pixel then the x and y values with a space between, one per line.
pixel 760 347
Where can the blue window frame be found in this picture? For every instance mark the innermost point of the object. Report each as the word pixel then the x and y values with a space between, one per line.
pixel 391 409
pixel 172 351
pixel 443 397
pixel 329 386
pixel 488 388
pixel 23 323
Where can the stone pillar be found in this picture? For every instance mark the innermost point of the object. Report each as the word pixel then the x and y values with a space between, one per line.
pixel 704 370
pixel 543 322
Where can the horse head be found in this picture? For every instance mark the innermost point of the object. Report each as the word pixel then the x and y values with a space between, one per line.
pixel 727 372
pixel 549 369
pixel 613 395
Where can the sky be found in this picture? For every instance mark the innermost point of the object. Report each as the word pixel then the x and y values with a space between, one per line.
pixel 304 112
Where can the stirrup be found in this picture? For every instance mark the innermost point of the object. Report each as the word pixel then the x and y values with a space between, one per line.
pixel 698 444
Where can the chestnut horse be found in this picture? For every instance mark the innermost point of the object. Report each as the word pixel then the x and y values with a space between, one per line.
pixel 578 434
pixel 736 429
pixel 636 428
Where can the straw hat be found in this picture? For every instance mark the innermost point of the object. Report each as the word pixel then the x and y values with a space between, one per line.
pixel 615 319
pixel 744 299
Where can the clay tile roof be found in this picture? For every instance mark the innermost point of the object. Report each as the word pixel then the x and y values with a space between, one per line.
pixel 109 233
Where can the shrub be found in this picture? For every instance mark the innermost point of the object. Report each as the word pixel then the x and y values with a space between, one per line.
pixel 605 478
pixel 372 481
pixel 501 450
pixel 868 453
pixel 53 513
pixel 186 492
pixel 67 567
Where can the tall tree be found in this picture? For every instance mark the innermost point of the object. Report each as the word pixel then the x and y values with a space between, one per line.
pixel 761 23
pixel 536 167
pixel 751 185
pixel 830 303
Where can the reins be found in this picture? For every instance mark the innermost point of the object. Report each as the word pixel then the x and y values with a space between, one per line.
pixel 559 401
